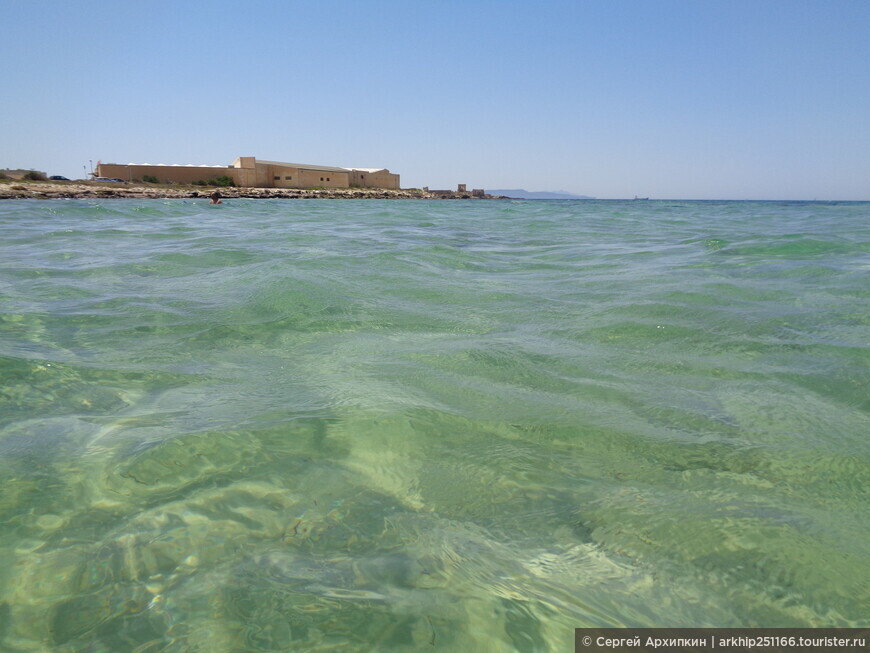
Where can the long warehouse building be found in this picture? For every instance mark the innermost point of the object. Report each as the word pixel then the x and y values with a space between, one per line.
pixel 248 172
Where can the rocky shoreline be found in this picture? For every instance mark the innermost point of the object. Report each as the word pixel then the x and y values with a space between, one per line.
pixel 99 190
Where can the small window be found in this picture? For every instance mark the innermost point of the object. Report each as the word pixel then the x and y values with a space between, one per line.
pixel 287 178
pixel 277 178
pixel 327 179
pixel 321 179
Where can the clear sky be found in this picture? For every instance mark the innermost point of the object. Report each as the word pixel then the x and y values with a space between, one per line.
pixel 730 99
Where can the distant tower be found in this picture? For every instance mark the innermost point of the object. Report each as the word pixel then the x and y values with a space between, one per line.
pixel 461 189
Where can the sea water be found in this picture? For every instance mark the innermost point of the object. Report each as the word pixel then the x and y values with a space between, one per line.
pixel 353 425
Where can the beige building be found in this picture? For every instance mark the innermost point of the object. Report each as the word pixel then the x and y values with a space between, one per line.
pixel 249 172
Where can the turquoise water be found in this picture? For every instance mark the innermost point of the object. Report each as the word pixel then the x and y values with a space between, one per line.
pixel 420 425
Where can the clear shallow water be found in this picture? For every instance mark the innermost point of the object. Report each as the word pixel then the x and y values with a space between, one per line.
pixel 410 425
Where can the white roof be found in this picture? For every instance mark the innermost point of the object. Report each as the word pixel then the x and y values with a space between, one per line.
pixel 176 165
pixel 305 166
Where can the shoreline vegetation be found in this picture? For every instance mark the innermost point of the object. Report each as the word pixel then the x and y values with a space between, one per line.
pixel 28 189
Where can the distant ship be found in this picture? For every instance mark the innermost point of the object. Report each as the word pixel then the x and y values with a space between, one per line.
pixel 640 198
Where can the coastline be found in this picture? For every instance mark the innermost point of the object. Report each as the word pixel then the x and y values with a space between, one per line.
pixel 15 189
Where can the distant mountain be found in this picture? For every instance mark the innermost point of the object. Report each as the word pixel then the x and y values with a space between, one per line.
pixel 520 194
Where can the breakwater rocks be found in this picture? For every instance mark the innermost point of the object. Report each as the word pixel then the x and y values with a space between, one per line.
pixel 99 190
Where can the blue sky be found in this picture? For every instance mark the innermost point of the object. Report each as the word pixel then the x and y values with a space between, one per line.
pixel 730 99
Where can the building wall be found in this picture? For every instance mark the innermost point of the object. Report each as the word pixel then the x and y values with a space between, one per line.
pixel 284 177
pixel 177 174
pixel 324 178
pixel 379 179
pixel 249 174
